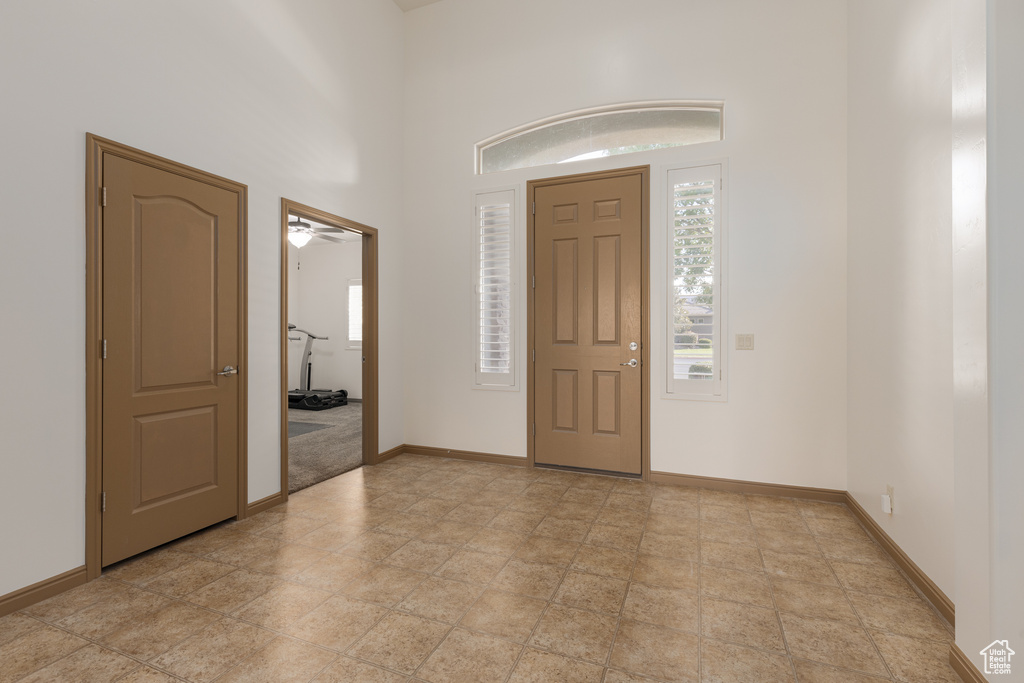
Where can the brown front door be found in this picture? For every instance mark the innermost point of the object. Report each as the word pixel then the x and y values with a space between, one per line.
pixel 170 321
pixel 587 313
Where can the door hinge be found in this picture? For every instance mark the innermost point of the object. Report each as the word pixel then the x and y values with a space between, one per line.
pixel 103 502
pixel 535 429
pixel 534 281
pixel 104 349
pixel 104 196
pixel 535 208
pixel 534 353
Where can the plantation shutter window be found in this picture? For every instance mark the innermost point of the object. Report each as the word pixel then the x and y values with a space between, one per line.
pixel 696 308
pixel 495 289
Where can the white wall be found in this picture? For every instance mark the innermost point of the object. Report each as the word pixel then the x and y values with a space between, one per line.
pixel 988 103
pixel 272 93
pixel 971 469
pixel 900 308
pixel 780 68
pixel 1006 323
pixel 322 308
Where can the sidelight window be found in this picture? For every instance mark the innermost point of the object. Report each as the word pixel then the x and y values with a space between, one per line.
pixel 696 240
pixel 495 289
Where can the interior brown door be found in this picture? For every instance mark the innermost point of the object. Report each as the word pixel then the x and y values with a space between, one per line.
pixel 170 324
pixel 587 314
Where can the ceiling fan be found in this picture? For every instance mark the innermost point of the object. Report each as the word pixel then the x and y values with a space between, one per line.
pixel 300 232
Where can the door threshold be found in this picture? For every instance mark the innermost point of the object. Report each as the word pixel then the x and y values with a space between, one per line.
pixel 587 470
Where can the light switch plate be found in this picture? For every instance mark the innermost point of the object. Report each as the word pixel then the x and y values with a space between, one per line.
pixel 744 342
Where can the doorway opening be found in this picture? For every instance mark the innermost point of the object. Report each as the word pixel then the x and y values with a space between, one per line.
pixel 328 356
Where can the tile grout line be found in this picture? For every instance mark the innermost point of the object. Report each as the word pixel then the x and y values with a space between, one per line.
pixel 775 604
pixel 700 585
pixel 389 482
pixel 549 601
pixel 254 653
pixel 451 627
pixel 387 610
pixel 285 578
pixel 456 624
pixel 853 609
pixel 144 587
pixel 629 585
pixel 95 641
pixel 59 659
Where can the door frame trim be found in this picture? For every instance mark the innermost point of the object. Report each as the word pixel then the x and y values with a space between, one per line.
pixel 370 336
pixel 95 148
pixel 645 305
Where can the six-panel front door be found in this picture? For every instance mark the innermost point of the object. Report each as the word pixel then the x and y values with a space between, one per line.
pixel 170 321
pixel 587 322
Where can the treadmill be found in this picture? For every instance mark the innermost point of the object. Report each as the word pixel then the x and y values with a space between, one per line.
pixel 305 398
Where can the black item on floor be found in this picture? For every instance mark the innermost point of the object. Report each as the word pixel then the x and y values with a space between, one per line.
pixel 318 399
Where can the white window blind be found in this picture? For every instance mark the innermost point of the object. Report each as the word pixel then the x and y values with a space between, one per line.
pixel 696 311
pixel 495 289
pixel 355 312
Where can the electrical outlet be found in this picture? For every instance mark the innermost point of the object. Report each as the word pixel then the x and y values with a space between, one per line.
pixel 892 498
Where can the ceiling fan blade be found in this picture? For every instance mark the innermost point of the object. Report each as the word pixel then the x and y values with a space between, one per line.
pixel 327 228
pixel 322 236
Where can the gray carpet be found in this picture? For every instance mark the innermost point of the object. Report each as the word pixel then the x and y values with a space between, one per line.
pixel 300 428
pixel 335 447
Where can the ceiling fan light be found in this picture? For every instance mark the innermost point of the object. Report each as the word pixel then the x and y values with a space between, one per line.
pixel 299 239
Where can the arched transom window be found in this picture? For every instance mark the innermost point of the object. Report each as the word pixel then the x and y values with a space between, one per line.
pixel 601 132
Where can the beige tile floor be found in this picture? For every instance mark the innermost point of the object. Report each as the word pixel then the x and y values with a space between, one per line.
pixel 431 569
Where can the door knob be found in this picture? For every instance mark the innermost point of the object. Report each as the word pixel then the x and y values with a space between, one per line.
pixel 632 363
pixel 228 370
